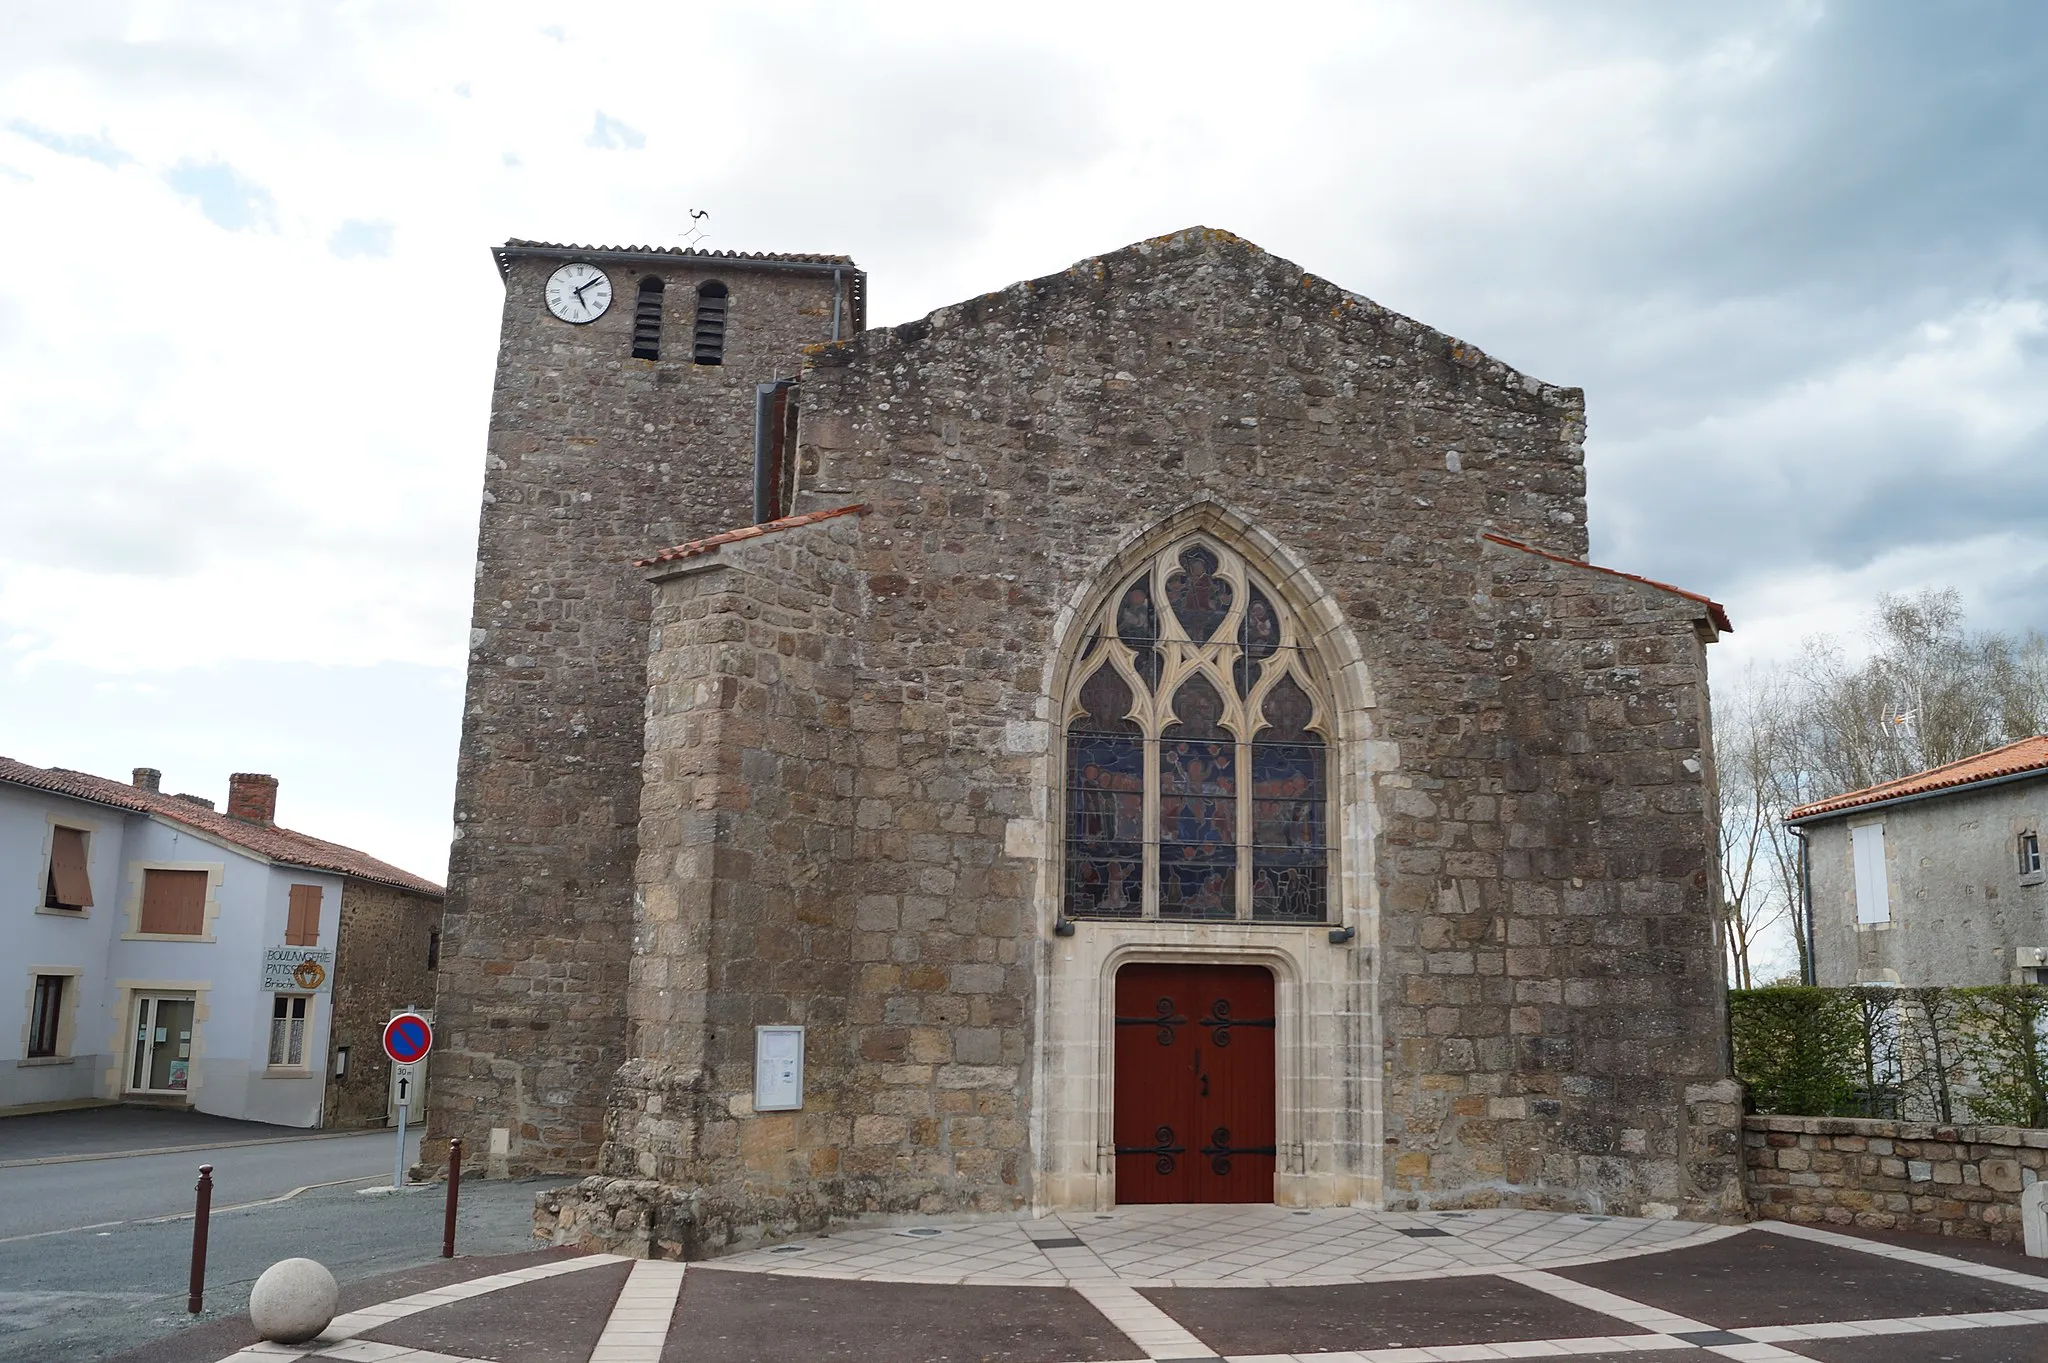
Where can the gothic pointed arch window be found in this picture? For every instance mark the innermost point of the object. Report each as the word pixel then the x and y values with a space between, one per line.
pixel 1197 751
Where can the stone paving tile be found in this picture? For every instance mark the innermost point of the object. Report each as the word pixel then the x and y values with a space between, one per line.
pixel 2024 1344
pixel 1760 1278
pixel 1359 1316
pixel 555 1320
pixel 216 1339
pixel 727 1317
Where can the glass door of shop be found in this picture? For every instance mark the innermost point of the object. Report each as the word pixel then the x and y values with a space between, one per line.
pixel 161 1060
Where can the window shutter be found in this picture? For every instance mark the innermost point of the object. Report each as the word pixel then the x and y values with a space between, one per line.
pixel 1873 890
pixel 302 919
pixel 71 886
pixel 174 902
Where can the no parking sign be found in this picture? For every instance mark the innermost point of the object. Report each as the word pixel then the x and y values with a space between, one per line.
pixel 407 1038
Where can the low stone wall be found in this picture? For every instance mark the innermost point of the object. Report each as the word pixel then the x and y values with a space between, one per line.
pixel 1884 1175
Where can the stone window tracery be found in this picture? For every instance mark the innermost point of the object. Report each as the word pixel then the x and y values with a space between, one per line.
pixel 1197 751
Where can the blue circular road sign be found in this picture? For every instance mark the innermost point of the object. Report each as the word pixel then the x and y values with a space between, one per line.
pixel 407 1038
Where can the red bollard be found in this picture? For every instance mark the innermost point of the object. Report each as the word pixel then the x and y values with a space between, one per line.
pixel 196 1295
pixel 454 1194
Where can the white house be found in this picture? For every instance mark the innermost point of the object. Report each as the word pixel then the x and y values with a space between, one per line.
pixel 163 952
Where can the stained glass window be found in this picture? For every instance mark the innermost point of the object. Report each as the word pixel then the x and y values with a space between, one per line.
pixel 1105 802
pixel 1197 758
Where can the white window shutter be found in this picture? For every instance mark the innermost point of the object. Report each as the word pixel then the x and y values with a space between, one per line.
pixel 1873 890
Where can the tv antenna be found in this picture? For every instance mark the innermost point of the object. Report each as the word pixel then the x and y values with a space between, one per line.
pixel 696 234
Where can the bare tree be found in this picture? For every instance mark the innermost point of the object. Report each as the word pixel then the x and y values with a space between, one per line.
pixel 2019 670
pixel 1929 693
pixel 1754 728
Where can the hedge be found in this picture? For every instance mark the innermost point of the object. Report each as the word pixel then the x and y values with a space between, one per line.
pixel 1934 1055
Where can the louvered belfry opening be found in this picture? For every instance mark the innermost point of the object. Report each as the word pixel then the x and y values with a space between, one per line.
pixel 710 332
pixel 647 321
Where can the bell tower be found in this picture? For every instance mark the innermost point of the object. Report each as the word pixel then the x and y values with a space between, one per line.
pixel 623 420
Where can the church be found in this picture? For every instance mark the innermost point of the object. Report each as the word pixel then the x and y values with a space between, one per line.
pixel 1148 734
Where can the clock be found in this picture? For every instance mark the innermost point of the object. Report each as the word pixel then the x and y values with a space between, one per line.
pixel 579 293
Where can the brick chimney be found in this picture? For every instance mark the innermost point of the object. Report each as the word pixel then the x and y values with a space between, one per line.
pixel 252 797
pixel 147 778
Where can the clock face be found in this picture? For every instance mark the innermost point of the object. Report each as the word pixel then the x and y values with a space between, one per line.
pixel 579 293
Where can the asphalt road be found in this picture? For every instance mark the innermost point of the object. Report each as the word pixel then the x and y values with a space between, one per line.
pixel 46 1197
pixel 115 1129
pixel 91 1263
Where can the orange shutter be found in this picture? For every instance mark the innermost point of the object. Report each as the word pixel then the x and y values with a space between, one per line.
pixel 302 919
pixel 67 869
pixel 174 902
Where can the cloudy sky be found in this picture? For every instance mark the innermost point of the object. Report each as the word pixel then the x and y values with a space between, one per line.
pixel 1795 253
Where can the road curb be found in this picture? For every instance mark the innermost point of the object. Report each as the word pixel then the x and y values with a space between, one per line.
pixel 188 1149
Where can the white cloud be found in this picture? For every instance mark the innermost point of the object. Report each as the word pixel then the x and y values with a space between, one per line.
pixel 1794 253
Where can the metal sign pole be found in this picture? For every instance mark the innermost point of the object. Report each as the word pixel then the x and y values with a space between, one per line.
pixel 398 1159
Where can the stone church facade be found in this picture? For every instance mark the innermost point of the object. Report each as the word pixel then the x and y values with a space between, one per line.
pixel 1151 728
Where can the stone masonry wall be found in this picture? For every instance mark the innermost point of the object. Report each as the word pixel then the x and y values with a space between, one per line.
pixel 745 916
pixel 380 964
pixel 1885 1175
pixel 1556 1022
pixel 1007 447
pixel 594 459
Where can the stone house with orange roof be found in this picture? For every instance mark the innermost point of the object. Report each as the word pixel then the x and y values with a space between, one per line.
pixel 1935 878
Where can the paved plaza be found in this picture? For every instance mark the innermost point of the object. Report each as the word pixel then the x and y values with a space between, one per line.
pixel 1247 1284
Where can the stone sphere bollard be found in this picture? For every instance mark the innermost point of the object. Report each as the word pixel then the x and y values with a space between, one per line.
pixel 293 1301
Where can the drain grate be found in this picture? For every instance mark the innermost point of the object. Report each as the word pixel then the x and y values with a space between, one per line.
pixel 787 1249
pixel 1060 1242
pixel 921 1232
pixel 1423 1232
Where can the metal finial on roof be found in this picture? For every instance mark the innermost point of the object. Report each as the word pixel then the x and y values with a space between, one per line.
pixel 696 232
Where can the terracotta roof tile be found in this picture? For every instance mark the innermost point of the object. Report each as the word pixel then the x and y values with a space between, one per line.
pixel 2029 754
pixel 1715 609
pixel 705 546
pixel 276 844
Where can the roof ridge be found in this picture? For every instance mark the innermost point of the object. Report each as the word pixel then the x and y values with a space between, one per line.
pixel 1957 762
pixel 273 842
pixel 1932 779
pixel 819 261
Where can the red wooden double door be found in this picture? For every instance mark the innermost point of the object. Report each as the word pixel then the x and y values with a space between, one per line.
pixel 1194 1083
